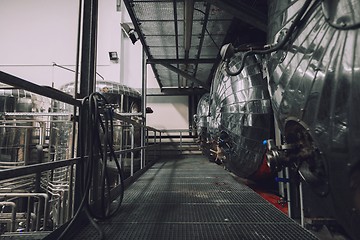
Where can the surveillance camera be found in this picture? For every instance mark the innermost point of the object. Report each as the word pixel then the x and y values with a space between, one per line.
pixel 130 32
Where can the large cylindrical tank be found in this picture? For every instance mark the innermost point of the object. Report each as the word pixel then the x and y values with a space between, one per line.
pixel 202 113
pixel 19 135
pixel 315 89
pixel 240 106
pixel 124 100
pixel 31 133
pixel 201 121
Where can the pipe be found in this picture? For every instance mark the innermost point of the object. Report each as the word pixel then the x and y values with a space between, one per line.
pixel 13 213
pixel 41 90
pixel 188 21
pixel 38 195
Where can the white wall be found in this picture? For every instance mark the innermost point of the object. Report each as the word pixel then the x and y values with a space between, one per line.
pixel 169 112
pixel 37 33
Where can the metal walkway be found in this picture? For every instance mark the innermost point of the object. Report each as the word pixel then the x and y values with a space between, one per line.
pixel 191 198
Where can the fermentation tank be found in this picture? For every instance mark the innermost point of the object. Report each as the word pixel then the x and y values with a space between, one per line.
pixel 19 136
pixel 315 89
pixel 124 100
pixel 201 121
pixel 31 133
pixel 240 109
pixel 202 113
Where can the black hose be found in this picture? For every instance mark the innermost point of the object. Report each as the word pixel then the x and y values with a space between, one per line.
pixel 277 47
pixel 96 138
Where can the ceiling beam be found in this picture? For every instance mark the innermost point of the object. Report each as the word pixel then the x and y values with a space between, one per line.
pixel 181 61
pixel 186 75
pixel 243 12
pixel 188 24
pixel 203 30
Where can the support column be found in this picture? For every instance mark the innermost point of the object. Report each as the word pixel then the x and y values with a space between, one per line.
pixel 143 107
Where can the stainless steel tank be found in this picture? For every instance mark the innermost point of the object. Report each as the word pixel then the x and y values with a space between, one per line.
pixel 202 113
pixel 201 121
pixel 17 138
pixel 19 135
pixel 32 133
pixel 315 89
pixel 124 100
pixel 127 99
pixel 240 107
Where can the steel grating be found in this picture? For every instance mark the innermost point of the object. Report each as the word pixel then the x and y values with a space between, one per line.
pixel 210 186
pixel 220 197
pixel 179 212
pixel 212 231
pixel 191 198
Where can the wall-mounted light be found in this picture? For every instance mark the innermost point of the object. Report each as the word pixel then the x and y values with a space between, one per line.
pixel 129 32
pixel 113 56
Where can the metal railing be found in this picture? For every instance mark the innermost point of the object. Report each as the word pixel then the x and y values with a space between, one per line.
pixel 37 192
pixel 176 141
pixel 55 179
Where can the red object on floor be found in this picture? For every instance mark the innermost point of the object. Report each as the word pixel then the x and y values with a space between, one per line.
pixel 274 200
pixel 263 171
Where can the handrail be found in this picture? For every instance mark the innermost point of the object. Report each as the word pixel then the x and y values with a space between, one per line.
pixel 12 205
pixel 38 195
pixel 41 90
pixel 41 167
pixel 7 175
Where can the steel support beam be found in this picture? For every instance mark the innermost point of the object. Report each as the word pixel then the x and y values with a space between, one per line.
pixel 203 30
pixel 88 48
pixel 188 23
pixel 186 75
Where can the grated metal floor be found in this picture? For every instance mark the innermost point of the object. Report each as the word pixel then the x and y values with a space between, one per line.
pixel 191 198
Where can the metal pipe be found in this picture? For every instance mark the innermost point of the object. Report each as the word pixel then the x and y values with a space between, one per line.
pixel 155 144
pixel 34 168
pixel 287 175
pixel 176 36
pixel 176 29
pixel 278 142
pixel 26 147
pixel 188 21
pixel 206 18
pixel 41 90
pixel 302 222
pixel 181 142
pixel 70 195
pixel 13 214
pixel 35 114
pixel 143 107
pixel 38 195
pixel 88 53
pixel 132 152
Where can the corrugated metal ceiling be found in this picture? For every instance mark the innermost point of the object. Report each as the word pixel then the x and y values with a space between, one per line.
pixel 182 39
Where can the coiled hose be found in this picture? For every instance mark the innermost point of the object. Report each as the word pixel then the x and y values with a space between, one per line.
pixel 96 139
